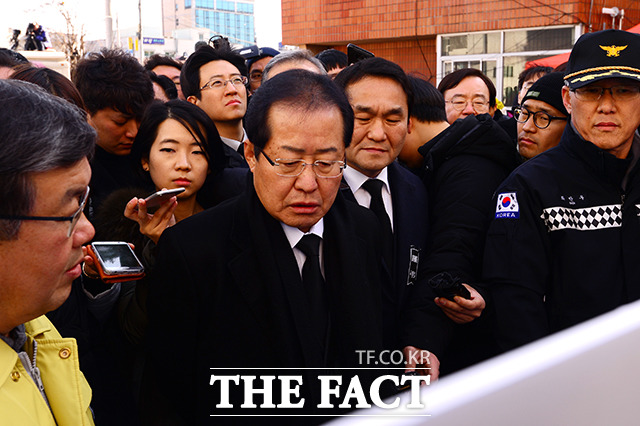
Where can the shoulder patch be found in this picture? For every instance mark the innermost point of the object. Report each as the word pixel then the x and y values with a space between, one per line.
pixel 507 207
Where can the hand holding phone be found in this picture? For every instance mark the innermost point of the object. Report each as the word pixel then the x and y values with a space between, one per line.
pixel 115 261
pixel 153 225
pixel 155 200
pixel 448 286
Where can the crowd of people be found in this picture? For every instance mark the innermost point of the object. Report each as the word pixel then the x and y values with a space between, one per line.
pixel 329 209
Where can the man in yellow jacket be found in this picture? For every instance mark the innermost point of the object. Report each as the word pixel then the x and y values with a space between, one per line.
pixel 45 145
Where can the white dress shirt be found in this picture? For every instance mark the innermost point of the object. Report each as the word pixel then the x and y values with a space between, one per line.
pixel 294 235
pixel 355 179
pixel 232 143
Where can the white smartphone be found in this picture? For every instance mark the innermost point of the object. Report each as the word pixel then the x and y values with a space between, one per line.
pixel 155 200
pixel 116 258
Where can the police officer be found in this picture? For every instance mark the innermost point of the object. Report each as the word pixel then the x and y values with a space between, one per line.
pixel 563 244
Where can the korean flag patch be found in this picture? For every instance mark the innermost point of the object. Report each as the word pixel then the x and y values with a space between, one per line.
pixel 507 207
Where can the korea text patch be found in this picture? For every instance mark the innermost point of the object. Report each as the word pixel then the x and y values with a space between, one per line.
pixel 507 207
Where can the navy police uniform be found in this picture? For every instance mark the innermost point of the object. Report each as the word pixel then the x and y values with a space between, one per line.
pixel 563 245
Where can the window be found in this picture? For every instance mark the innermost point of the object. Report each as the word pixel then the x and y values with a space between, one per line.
pixel 204 4
pixel 470 44
pixel 244 8
pixel 187 4
pixel 226 5
pixel 503 55
pixel 217 22
pixel 532 40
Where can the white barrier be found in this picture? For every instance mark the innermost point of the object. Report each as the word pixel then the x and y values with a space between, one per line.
pixel 585 375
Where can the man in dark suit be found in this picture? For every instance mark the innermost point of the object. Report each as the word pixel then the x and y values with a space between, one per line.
pixel 236 286
pixel 380 94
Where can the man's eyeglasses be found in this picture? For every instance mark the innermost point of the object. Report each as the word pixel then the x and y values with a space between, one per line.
pixel 293 168
pixel 218 83
pixel 479 105
pixel 541 119
pixel 618 93
pixel 72 219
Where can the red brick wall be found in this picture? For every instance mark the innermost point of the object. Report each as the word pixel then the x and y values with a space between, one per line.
pixel 405 31
pixel 333 21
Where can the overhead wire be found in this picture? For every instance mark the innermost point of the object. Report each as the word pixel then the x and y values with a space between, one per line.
pixel 424 57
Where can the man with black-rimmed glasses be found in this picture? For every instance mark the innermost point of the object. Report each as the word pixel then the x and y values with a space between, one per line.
pixel 562 247
pixel 542 116
pixel 44 178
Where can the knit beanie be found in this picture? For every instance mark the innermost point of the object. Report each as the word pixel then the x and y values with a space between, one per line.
pixel 548 89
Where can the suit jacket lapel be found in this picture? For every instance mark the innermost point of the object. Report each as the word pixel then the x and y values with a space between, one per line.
pixel 409 224
pixel 346 191
pixel 402 219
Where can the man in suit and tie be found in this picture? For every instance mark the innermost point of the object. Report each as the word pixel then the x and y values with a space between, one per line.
pixel 215 79
pixel 287 275
pixel 380 94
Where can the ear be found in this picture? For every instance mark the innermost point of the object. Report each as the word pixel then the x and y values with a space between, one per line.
pixel 566 99
pixel 492 110
pixel 411 125
pixel 250 155
pixel 145 164
pixel 193 100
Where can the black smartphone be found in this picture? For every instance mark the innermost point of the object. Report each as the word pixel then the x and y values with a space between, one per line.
pixel 357 53
pixel 447 286
pixel 453 291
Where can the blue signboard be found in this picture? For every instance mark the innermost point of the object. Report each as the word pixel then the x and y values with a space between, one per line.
pixel 151 40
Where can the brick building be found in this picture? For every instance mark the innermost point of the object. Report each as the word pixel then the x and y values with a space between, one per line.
pixel 434 37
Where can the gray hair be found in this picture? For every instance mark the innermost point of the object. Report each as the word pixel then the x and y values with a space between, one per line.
pixel 39 132
pixel 292 56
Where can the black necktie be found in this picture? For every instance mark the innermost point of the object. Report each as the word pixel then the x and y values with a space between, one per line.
pixel 374 187
pixel 314 282
pixel 240 149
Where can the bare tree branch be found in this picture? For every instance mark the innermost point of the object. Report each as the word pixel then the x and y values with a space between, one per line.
pixel 72 42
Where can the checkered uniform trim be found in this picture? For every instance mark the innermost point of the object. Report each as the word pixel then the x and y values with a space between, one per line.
pixel 587 219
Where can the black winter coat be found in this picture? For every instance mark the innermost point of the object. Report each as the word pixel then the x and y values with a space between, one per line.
pixel 563 247
pixel 462 168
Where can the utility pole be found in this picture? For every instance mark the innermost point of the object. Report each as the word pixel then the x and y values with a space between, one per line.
pixel 140 50
pixel 108 24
